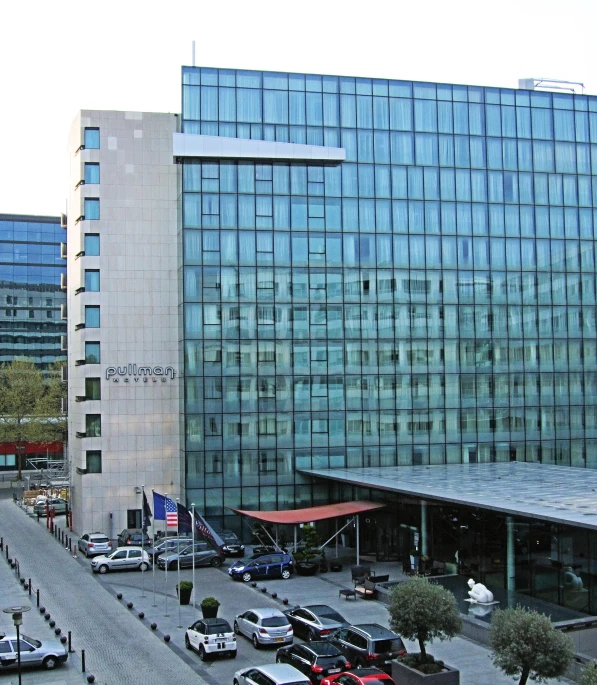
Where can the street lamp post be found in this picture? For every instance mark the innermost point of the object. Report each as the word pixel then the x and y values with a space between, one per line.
pixel 17 619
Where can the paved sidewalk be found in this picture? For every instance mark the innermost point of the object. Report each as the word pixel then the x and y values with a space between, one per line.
pixel 122 647
pixel 34 625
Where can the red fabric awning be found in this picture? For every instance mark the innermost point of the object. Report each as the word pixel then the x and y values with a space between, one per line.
pixel 327 511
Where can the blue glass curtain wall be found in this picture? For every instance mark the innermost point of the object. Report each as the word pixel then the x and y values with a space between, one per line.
pixel 431 300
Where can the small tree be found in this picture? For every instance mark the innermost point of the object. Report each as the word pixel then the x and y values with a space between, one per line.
pixel 589 674
pixel 311 541
pixel 525 643
pixel 30 406
pixel 422 611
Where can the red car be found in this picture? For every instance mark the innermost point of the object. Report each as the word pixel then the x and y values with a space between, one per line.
pixel 359 676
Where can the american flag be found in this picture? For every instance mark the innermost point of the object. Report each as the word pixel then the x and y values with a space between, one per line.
pixel 171 514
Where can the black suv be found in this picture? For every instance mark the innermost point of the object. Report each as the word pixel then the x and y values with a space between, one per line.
pixel 316 660
pixel 368 644
pixel 133 538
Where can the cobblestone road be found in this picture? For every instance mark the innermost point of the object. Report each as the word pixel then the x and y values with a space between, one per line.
pixel 119 649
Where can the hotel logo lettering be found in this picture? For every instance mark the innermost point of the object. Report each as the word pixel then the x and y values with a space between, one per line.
pixel 139 374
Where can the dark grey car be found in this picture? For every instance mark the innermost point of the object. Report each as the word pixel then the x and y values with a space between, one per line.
pixel 368 644
pixel 315 621
pixel 169 545
pixel 204 556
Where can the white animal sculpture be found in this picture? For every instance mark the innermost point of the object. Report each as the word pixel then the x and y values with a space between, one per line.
pixel 479 593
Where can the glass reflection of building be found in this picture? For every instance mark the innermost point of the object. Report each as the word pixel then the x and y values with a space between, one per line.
pixel 31 265
pixel 430 300
pixel 31 323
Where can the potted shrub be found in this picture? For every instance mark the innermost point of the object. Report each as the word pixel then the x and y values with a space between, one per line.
pixel 184 590
pixel 422 611
pixel 209 607
pixel 304 559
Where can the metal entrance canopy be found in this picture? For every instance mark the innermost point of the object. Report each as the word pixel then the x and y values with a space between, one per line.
pixel 560 494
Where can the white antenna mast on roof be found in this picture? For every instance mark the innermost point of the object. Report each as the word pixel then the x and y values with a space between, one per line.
pixel 193 55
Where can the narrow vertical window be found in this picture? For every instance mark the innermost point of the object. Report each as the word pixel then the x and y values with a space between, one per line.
pixel 92 316
pixel 93 461
pixel 91 173
pixel 92 244
pixel 93 389
pixel 91 209
pixel 92 352
pixel 93 425
pixel 92 280
pixel 91 138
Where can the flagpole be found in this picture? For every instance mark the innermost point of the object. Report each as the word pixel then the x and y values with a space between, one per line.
pixel 193 531
pixel 143 531
pixel 154 561
pixel 178 564
pixel 166 565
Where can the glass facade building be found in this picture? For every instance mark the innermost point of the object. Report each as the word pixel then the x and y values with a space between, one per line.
pixel 32 263
pixel 430 300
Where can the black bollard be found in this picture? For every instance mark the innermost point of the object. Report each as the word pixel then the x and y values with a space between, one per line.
pixel 70 642
pixel 37 594
pixel 83 661
pixel 1 544
pixel 29 584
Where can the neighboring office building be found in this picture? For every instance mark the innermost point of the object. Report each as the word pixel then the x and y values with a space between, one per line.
pixel 31 321
pixel 399 274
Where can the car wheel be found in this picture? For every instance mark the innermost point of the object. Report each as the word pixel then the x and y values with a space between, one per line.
pixel 247 577
pixel 233 654
pixel 103 569
pixel 310 636
pixel 202 653
pixel 236 628
pixel 173 566
pixel 50 662
pixel 187 642
pixel 235 682
pixel 216 561
pixel 256 642
pixel 359 663
pixel 143 566
pixel 286 574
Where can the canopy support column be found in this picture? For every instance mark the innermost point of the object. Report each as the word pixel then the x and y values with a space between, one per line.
pixel 358 540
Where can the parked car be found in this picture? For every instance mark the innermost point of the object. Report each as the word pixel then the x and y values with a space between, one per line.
pixel 204 556
pixel 48 653
pixel 168 545
pixel 94 543
pixel 368 644
pixel 276 565
pixel 271 674
pixel 314 621
pixel 211 636
pixel 59 505
pixel 133 537
pixel 233 547
pixel 360 676
pixel 121 559
pixel 264 627
pixel 316 660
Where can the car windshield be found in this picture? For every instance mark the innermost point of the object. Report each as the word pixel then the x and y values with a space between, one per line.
pixel 216 628
pixel 274 621
pixel 31 641
pixel 380 646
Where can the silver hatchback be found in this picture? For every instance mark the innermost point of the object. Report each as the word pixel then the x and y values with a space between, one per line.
pixel 264 627
pixel 94 543
pixel 122 559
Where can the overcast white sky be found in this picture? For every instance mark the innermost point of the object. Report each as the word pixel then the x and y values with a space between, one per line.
pixel 59 57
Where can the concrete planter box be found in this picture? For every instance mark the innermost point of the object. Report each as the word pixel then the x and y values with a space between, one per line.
pixel 409 676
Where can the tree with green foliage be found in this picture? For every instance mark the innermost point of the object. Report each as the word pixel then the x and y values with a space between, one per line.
pixel 30 405
pixel 422 611
pixel 589 674
pixel 526 644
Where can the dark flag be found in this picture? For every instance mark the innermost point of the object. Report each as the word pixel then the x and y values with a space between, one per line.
pixel 185 523
pixel 207 532
pixel 146 513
